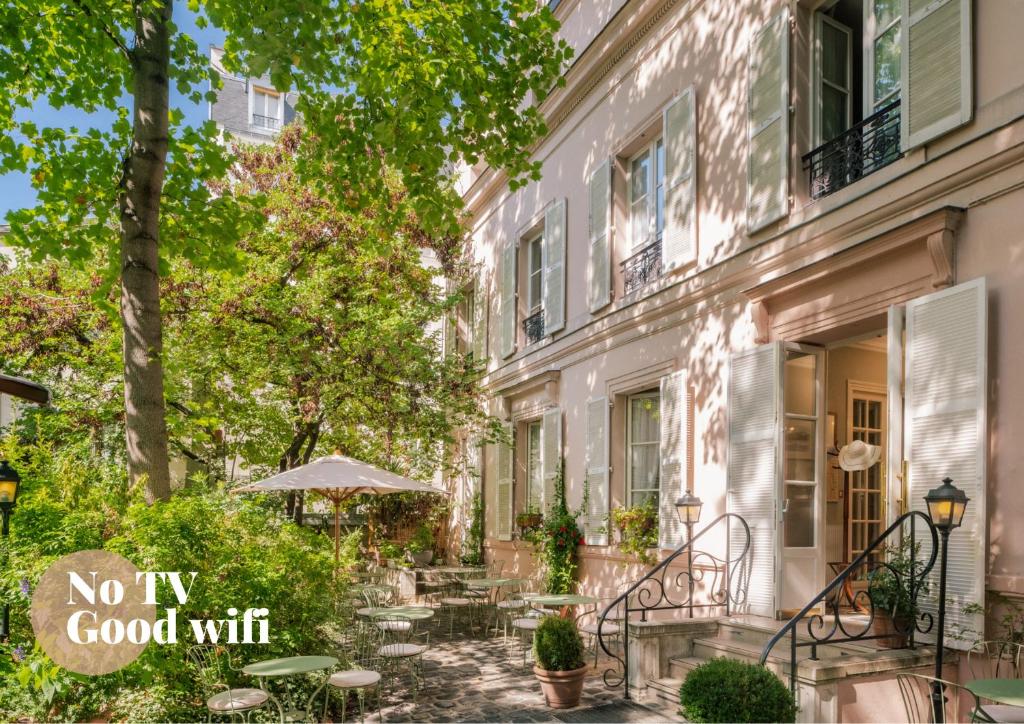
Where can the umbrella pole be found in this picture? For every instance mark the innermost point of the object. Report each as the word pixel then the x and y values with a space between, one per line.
pixel 337 533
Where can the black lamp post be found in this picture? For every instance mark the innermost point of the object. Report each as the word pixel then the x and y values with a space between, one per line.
pixel 9 480
pixel 688 508
pixel 946 506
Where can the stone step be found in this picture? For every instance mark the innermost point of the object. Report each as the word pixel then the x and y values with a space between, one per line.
pixel 665 690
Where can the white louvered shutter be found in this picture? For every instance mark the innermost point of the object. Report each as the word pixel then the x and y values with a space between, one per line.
pixel 755 386
pixel 768 124
pixel 894 436
pixel 679 238
pixel 503 503
pixel 600 277
pixel 553 280
pixel 673 479
pixel 596 523
pixel 945 429
pixel 480 304
pixel 936 73
pixel 550 454
pixel 507 299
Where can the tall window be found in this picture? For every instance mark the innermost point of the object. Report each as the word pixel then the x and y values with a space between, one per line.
pixel 883 23
pixel 535 272
pixel 643 447
pixel 647 195
pixel 266 108
pixel 464 321
pixel 534 474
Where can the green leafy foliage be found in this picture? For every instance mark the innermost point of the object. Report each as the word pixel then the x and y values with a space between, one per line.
pixel 638 530
pixel 473 542
pixel 557 645
pixel 245 555
pixel 560 539
pixel 890 582
pixel 726 690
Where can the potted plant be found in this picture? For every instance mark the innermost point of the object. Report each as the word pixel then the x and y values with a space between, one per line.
pixel 893 602
pixel 419 550
pixel 529 520
pixel 558 652
pixel 638 530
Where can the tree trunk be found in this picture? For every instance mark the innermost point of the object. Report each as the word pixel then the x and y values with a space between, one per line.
pixel 139 198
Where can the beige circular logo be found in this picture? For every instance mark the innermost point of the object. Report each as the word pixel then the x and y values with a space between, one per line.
pixel 89 615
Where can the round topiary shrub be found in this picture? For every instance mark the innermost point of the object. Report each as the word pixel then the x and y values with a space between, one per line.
pixel 557 645
pixel 725 690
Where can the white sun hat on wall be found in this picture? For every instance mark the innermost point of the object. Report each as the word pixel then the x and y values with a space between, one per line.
pixel 859 455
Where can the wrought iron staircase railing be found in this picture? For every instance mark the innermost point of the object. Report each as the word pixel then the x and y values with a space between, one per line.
pixel 718 580
pixel 868 566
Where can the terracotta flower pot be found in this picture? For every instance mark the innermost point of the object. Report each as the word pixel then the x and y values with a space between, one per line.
pixel 883 625
pixel 562 689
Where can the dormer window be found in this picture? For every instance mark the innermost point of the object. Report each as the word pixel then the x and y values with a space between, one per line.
pixel 267 109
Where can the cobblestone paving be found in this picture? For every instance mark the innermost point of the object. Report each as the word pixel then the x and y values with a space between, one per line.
pixel 473 680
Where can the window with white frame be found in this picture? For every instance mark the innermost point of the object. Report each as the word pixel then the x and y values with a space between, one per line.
pixel 643 447
pixel 534 274
pixel 883 21
pixel 647 195
pixel 534 471
pixel 267 108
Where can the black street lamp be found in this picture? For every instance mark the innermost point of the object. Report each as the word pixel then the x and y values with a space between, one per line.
pixel 946 506
pixel 9 480
pixel 688 508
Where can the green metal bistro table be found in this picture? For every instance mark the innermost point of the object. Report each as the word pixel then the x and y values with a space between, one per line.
pixel 291 666
pixel 563 602
pixel 1001 691
pixel 494 582
pixel 557 600
pixel 413 613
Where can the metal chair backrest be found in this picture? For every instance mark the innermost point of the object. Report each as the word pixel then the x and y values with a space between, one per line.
pixel 360 645
pixel 395 628
pixel 916 691
pixel 494 569
pixel 996 660
pixel 376 597
pixel 209 664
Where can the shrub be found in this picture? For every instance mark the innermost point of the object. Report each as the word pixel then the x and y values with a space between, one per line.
pixel 725 690
pixel 557 645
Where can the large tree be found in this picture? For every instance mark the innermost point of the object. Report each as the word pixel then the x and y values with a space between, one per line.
pixel 407 86
pixel 329 341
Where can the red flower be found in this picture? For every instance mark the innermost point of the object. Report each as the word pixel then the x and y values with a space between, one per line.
pixel 562 529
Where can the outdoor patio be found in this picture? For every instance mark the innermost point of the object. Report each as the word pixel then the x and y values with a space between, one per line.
pixel 471 679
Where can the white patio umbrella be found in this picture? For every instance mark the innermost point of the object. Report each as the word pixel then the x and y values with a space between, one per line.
pixel 338 478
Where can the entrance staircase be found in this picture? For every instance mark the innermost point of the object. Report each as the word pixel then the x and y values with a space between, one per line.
pixel 686 611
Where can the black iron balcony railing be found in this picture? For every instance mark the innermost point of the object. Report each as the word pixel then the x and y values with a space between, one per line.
pixel 533 327
pixel 271 122
pixel 866 147
pixel 642 267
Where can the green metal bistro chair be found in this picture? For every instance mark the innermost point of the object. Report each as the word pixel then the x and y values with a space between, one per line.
pixel 211 664
pixel 360 655
pixel 401 646
pixel 612 630
pixel 997 660
pixel 916 691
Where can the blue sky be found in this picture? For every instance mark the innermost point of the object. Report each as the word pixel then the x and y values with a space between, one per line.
pixel 15 190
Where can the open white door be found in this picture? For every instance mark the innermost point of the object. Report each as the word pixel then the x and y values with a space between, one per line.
pixel 754 473
pixel 803 473
pixel 945 434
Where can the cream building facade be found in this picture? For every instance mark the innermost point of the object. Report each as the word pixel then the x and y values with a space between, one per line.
pixel 764 229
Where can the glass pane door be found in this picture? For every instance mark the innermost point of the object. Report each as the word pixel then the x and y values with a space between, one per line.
pixel 867 490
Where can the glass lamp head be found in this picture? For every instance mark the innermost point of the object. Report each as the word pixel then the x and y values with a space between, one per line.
pixel 946 505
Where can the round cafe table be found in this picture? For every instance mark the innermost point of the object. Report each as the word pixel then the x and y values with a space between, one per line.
pixel 556 600
pixel 494 582
pixel 1001 691
pixel 563 602
pixel 291 666
pixel 413 613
